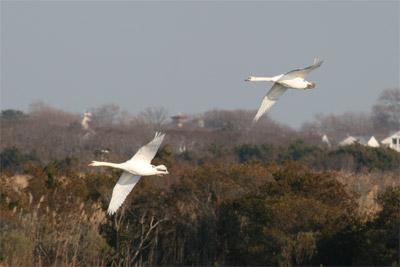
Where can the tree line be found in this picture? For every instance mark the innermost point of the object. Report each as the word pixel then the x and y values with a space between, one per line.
pixel 252 213
pixel 237 194
pixel 353 158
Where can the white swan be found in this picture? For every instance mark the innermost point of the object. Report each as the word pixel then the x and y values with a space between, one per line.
pixel 292 79
pixel 139 165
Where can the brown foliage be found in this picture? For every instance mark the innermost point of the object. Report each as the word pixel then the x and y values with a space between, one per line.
pixel 210 210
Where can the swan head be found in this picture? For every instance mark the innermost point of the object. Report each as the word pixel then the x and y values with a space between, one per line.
pixel 161 170
pixel 249 79
pixel 310 85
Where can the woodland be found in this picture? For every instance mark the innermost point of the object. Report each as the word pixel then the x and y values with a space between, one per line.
pixel 237 194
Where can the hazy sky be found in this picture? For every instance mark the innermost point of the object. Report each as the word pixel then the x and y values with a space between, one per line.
pixel 191 57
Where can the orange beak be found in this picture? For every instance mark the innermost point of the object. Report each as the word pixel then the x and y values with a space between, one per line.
pixel 90 164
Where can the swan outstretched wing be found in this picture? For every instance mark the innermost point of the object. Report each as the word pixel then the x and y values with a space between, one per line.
pixel 269 99
pixel 302 73
pixel 146 153
pixel 121 190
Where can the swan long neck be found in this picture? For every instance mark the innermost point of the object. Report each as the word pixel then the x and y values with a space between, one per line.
pixel 108 164
pixel 263 79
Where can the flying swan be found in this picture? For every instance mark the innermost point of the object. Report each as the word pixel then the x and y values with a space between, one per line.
pixel 292 79
pixel 139 165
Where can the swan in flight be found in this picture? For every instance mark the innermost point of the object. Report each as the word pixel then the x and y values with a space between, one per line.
pixel 292 79
pixel 139 165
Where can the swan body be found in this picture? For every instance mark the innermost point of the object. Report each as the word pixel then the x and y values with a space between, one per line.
pixel 294 79
pixel 132 167
pixel 139 165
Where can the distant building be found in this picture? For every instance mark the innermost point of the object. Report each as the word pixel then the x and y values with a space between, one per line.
pixel 372 142
pixel 86 119
pixel 392 141
pixel 179 120
pixel 325 140
pixel 363 140
pixel 347 141
pixel 200 123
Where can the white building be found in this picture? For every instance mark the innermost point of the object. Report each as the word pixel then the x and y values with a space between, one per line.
pixel 179 120
pixel 372 142
pixel 363 140
pixel 392 141
pixel 86 119
pixel 347 141
pixel 325 140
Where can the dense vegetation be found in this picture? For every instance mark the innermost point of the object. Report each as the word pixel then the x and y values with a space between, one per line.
pixel 352 158
pixel 237 194
pixel 234 214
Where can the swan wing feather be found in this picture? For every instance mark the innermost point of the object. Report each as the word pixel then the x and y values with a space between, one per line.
pixel 121 190
pixel 269 99
pixel 302 73
pixel 147 152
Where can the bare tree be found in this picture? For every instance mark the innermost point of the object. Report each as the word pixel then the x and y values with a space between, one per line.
pixel 227 120
pixel 107 114
pixel 387 109
pixel 359 123
pixel 147 226
pixel 39 111
pixel 155 116
pixel 352 122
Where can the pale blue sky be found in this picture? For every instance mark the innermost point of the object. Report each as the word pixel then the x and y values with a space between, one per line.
pixel 191 57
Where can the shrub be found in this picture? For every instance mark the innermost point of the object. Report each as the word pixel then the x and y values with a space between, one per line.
pixel 12 115
pixel 369 157
pixel 12 158
pixel 16 248
pixel 380 246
